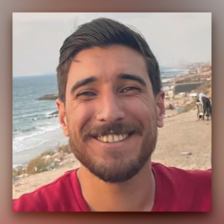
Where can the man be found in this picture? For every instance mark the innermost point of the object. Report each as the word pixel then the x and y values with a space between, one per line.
pixel 200 111
pixel 110 105
pixel 206 103
pixel 200 95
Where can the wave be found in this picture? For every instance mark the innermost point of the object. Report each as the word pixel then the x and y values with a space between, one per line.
pixel 33 116
pixel 24 147
pixel 41 130
pixel 16 130
pixel 33 140
pixel 49 128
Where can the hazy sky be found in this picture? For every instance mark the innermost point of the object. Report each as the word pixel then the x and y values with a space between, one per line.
pixel 175 38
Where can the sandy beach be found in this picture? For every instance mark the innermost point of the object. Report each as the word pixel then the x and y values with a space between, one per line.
pixel 183 142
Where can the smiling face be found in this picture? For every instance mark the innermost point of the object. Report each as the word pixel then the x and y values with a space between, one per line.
pixel 110 113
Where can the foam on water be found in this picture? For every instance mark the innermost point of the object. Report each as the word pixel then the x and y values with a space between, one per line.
pixel 33 139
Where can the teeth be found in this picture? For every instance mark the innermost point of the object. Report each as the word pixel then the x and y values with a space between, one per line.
pixel 104 138
pixel 112 138
pixel 116 138
pixel 120 137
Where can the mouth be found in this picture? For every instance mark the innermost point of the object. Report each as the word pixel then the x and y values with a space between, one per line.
pixel 113 138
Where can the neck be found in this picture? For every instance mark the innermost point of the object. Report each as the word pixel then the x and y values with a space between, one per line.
pixel 136 194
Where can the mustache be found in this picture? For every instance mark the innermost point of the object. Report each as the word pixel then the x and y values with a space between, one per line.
pixel 113 129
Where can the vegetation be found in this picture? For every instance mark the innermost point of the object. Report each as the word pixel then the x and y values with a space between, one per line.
pixel 48 160
pixel 64 148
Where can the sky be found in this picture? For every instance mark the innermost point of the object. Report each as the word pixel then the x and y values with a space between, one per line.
pixel 176 39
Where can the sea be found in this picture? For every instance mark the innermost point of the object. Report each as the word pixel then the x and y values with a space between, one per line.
pixel 35 130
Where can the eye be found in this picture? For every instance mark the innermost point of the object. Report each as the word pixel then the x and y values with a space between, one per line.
pixel 129 89
pixel 86 94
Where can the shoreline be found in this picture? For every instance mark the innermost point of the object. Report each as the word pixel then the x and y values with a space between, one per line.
pixel 183 142
pixel 176 101
pixel 29 155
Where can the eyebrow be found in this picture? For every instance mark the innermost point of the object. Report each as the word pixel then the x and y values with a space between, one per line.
pixel 132 77
pixel 92 79
pixel 83 82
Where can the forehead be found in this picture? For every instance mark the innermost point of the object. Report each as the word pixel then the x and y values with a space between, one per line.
pixel 106 63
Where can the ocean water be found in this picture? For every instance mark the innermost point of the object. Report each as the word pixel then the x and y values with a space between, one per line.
pixel 170 72
pixel 34 130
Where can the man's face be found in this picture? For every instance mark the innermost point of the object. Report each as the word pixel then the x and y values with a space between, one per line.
pixel 111 114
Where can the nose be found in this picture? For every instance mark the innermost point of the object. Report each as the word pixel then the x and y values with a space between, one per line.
pixel 109 108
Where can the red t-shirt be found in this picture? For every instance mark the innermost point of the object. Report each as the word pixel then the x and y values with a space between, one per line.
pixel 176 190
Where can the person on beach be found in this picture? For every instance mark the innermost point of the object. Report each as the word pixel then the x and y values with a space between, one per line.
pixel 201 95
pixel 110 106
pixel 205 101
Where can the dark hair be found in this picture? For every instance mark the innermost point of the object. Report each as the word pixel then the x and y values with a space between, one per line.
pixel 104 32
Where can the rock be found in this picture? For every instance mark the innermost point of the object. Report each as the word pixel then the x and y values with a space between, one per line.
pixel 53 96
pixel 54 114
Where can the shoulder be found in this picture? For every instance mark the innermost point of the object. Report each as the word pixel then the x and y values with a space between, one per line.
pixel 192 187
pixel 193 178
pixel 47 197
pixel 182 173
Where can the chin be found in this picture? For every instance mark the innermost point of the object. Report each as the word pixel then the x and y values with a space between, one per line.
pixel 115 162
pixel 117 168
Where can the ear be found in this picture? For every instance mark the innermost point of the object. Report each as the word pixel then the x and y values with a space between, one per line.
pixel 160 107
pixel 62 116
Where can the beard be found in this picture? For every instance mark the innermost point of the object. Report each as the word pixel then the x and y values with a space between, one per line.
pixel 119 167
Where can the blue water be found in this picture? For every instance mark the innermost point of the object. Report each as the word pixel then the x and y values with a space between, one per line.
pixel 170 72
pixel 33 127
pixel 34 130
pixel 27 111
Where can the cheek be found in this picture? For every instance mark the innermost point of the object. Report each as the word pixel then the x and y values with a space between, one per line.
pixel 140 108
pixel 79 116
